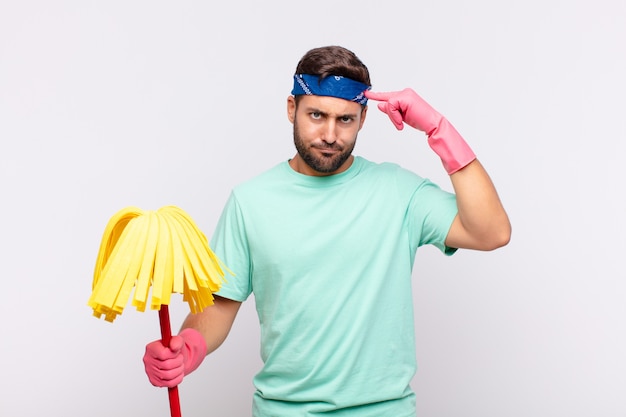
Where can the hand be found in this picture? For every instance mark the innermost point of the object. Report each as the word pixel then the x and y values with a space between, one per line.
pixel 166 366
pixel 408 107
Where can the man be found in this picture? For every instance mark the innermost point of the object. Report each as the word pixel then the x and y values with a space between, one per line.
pixel 326 241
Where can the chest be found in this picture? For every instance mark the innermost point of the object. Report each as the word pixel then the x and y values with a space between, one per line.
pixel 311 229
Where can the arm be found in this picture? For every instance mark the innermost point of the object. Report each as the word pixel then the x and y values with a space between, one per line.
pixel 215 322
pixel 481 222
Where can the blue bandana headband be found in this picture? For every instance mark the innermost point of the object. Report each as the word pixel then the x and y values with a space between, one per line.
pixel 332 86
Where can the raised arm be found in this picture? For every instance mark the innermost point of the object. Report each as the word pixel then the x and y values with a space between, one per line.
pixel 482 222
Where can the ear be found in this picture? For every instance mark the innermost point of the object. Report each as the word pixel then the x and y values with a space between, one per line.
pixel 363 114
pixel 291 108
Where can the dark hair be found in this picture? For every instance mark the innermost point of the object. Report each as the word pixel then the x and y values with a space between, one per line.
pixel 333 60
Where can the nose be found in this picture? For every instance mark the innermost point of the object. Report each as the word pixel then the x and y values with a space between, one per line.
pixel 329 132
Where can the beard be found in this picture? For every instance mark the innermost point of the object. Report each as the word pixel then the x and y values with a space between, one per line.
pixel 325 164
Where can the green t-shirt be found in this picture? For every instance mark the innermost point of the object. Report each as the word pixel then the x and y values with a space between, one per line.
pixel 329 261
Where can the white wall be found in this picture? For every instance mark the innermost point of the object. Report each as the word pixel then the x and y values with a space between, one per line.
pixel 105 104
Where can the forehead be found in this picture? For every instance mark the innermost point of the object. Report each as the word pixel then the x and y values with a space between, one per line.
pixel 329 105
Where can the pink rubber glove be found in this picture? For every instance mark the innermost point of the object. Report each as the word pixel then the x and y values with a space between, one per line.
pixel 407 107
pixel 166 366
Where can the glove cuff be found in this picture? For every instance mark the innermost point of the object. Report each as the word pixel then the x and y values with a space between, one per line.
pixel 195 349
pixel 454 152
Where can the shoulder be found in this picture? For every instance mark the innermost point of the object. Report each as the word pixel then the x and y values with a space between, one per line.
pixel 390 171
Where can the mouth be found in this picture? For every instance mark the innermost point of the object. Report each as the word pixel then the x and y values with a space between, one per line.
pixel 327 151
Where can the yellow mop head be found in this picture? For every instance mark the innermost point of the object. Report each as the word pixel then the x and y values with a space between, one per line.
pixel 162 249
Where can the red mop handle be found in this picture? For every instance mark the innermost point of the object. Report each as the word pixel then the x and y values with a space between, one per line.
pixel 166 335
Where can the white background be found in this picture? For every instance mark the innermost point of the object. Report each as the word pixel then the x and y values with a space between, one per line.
pixel 106 104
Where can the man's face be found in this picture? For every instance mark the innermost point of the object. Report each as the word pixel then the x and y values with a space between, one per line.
pixel 324 132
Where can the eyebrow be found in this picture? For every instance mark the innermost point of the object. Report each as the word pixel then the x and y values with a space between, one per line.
pixel 325 114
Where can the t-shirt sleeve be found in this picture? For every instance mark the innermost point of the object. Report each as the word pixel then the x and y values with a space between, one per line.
pixel 230 244
pixel 430 215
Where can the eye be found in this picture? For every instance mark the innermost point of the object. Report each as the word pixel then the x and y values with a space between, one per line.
pixel 315 115
pixel 346 119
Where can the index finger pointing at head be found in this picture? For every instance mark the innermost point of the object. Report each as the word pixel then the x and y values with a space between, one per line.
pixel 378 96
